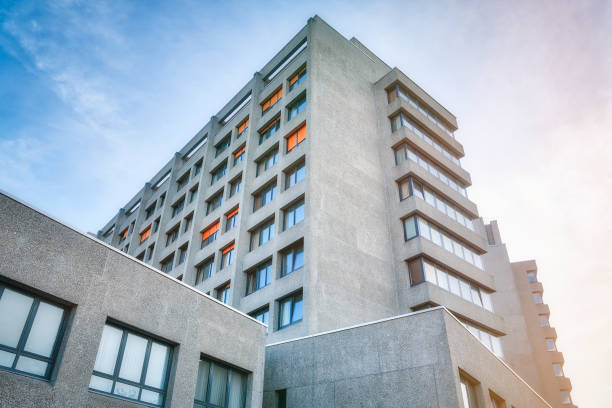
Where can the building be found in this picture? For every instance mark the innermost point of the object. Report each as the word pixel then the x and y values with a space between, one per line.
pixel 328 197
pixel 84 325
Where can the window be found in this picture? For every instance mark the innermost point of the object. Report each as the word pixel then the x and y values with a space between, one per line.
pixel 269 130
pixel 294 214
pixel 126 248
pixel 150 210
pixel 293 259
pixel 156 225
pixel 222 146
pixel 289 310
pixel 565 397
pixel 281 398
pixel 413 187
pixel 239 155
pixel 531 276
pixel 197 168
pixel 131 365
pixel 296 107
pixel 537 298
pixel 193 193
pixel 295 175
pixel 241 104
pixel 496 401
pixel 557 370
pixel 194 148
pixel 227 256
pixel 262 235
pixel 109 231
pixel 231 219
pixel 220 386
pixel 235 186
pixel 267 161
pixel 161 180
pixel 31 329
pixel 150 252
pixel 182 254
pixel 214 202
pixel 182 181
pixel 404 152
pixel 204 270
pixel 490 341
pixel 144 235
pixel 417 226
pixel 223 293
pixel 243 127
pixel 259 277
pixel 166 264
pixel 467 393
pixel 544 320
pixel 271 100
pixel 133 208
pixel 162 199
pixel 209 235
pixel 178 207
pixel 265 196
pixel 218 173
pixel 422 270
pixel 286 61
pixel 297 79
pixel 263 315
pixel 172 235
pixel 187 222
pixel 550 345
pixel 123 235
pixel 141 256
pixel 296 138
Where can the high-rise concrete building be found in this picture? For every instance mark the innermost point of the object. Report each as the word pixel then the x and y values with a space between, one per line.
pixel 328 198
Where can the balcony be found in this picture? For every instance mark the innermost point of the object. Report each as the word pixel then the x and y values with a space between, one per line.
pixel 542 309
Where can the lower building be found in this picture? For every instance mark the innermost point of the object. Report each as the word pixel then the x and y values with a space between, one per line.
pixel 84 325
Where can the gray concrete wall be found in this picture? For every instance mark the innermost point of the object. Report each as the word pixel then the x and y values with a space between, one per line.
pixel 102 283
pixel 406 361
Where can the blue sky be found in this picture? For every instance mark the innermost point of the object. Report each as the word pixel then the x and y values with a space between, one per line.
pixel 85 84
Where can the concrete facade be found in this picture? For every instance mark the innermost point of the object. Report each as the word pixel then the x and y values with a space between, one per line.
pixel 414 360
pixel 97 284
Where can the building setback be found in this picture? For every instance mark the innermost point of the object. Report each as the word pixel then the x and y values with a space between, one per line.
pixel 326 199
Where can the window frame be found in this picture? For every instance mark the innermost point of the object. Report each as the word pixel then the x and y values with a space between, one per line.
pixel 119 360
pixel 230 369
pixel 282 300
pixel 292 249
pixel 254 276
pixel 19 350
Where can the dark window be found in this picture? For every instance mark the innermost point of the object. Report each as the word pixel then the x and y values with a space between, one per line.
pixel 197 168
pixel 193 193
pixel 259 277
pixel 296 107
pixel 269 130
pixel 172 235
pixel 131 365
pixel 178 207
pixel 150 210
pixel 265 196
pixel 220 386
pixel 31 329
pixel 166 264
pixel 262 235
pixel 182 255
pixel 222 146
pixel 235 186
pixel 214 202
pixel 204 270
pixel 218 173
pixel 289 310
pixel 223 293
pixel 281 399
pixel 293 259
pixel 182 181
pixel 267 161
pixel 263 315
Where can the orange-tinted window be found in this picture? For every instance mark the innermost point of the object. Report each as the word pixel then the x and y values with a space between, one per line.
pixel 210 231
pixel 240 151
pixel 227 249
pixel 391 94
pixel 145 234
pixel 124 234
pixel 243 126
pixel 297 78
pixel 296 138
pixel 232 213
pixel 271 101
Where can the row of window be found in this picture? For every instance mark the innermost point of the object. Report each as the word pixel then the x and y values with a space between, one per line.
pixel 412 187
pixel 417 226
pixel 294 80
pixel 129 364
pixel 422 270
pixel 415 103
pixel 404 152
pixel 401 120
pixel 492 342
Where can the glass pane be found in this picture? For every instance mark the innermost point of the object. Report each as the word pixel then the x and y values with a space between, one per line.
pixel 133 358
pixel 476 297
pixel 236 394
pixel 453 284
pixel 218 385
pixel 423 228
pixel 299 213
pixel 299 259
pixel 442 282
pixel 32 366
pixel 288 267
pixel 100 384
pixel 416 274
pixel 436 238
pixel 430 273
pixel 6 358
pixel 466 291
pixel 297 310
pixel 109 347
pixel 151 397
pixel 126 390
pixel 44 329
pixel 486 301
pixel 448 244
pixel 410 228
pixel 14 310
pixel 285 312
pixel 158 362
pixel 202 384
